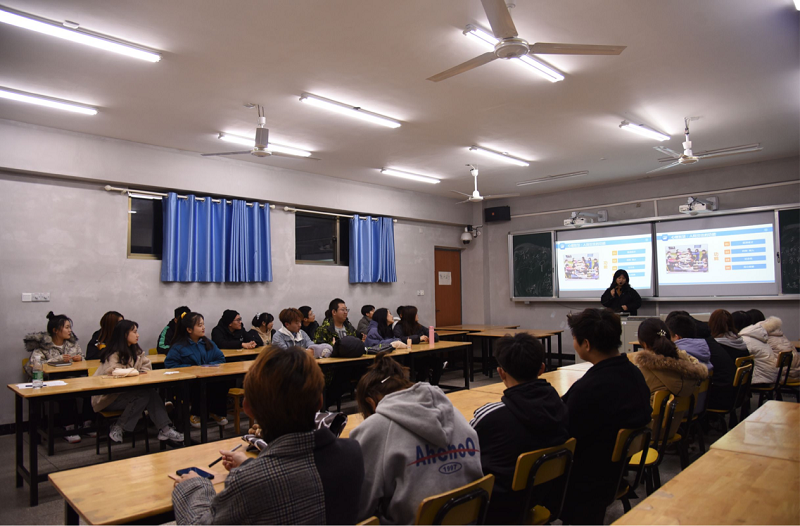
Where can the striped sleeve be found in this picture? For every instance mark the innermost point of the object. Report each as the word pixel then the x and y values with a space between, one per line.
pixel 481 412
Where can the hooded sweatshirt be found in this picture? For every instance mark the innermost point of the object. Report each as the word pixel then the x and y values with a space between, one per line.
pixel 416 445
pixel 757 339
pixel 733 344
pixel 698 348
pixel 530 416
pixel 781 343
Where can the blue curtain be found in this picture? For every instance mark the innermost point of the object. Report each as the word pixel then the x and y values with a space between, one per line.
pixel 215 242
pixel 372 250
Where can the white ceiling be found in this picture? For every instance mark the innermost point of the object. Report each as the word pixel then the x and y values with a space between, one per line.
pixel 734 63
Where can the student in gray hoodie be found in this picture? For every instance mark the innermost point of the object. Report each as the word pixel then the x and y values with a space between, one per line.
pixel 414 441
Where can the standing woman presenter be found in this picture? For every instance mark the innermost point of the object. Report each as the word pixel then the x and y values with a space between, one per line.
pixel 620 296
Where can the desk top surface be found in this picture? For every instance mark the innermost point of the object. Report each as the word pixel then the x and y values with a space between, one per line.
pixel 85 365
pixel 92 383
pixel 796 344
pixel 772 430
pixel 561 380
pixel 722 487
pixel 499 333
pixel 450 333
pixel 475 328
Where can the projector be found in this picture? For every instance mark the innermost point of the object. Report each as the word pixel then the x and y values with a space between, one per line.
pixel 698 206
pixel 577 221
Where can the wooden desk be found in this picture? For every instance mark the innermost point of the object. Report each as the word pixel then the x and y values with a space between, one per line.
pixel 96 494
pixel 560 379
pixel 82 368
pixel 772 430
pixel 447 334
pixel 474 328
pixel 544 335
pixel 722 487
pixel 796 344
pixel 233 355
pixel 444 346
pixel 86 386
pixel 583 366
pixel 636 346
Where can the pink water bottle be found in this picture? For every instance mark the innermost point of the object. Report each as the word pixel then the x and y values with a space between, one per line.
pixel 430 336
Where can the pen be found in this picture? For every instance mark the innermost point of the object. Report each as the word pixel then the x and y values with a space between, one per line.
pixel 220 458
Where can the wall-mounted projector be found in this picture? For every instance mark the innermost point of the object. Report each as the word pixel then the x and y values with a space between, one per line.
pixel 696 206
pixel 578 219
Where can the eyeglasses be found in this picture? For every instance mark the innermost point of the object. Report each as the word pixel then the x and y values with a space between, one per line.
pixel 344 310
pixel 238 319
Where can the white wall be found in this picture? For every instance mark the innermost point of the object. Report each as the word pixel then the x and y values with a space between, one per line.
pixel 552 315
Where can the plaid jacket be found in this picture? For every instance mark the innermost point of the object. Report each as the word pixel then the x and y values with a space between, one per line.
pixel 280 486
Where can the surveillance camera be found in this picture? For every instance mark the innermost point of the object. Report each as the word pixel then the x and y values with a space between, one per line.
pixel 466 237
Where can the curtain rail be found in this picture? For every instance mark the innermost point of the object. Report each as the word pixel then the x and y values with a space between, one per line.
pixel 293 209
pixel 110 188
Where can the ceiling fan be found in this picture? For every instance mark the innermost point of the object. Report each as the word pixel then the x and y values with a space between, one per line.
pixel 476 196
pixel 261 146
pixel 510 46
pixel 688 157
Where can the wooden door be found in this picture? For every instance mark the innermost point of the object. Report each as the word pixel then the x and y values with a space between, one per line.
pixel 447 276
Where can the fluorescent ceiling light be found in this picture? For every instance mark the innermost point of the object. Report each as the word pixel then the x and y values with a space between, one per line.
pixel 352 111
pixel 408 175
pixel 54 29
pixel 279 148
pixel 504 156
pixel 50 102
pixel 641 129
pixel 553 178
pixel 489 41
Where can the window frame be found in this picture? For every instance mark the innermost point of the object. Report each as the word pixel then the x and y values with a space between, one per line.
pixel 337 251
pixel 131 255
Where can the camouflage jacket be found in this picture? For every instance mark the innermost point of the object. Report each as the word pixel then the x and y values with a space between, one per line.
pixel 327 331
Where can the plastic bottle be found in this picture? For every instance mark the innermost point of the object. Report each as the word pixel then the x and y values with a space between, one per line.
pixel 408 343
pixel 37 370
pixel 430 337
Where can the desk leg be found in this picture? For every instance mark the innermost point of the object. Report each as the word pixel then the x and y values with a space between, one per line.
pixel 70 515
pixel 186 395
pixel 560 355
pixel 51 442
pixel 490 356
pixel 549 352
pixel 467 367
pixel 20 438
pixel 33 450
pixel 203 412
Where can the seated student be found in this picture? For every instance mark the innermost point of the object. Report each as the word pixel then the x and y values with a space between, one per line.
pixel 399 311
pixel 404 427
pixel 229 334
pixel 310 324
pixel 723 330
pixel 781 343
pixel 664 366
pixel 684 333
pixel 60 343
pixel 171 331
pixel 755 316
pixel 756 338
pixel 262 328
pixel 530 416
pixel 336 325
pixel 304 476
pixel 363 324
pixel 612 395
pixel 123 352
pixel 409 327
pixel 741 320
pixel 101 338
pixel 291 335
pixel 380 330
pixel 191 348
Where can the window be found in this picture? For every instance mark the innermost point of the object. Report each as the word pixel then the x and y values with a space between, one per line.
pixel 145 228
pixel 322 240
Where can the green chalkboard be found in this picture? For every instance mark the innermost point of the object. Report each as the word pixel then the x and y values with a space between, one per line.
pixel 532 265
pixel 789 230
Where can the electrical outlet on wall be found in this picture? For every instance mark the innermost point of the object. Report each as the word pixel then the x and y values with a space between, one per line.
pixel 420 293
pixel 38 296
pixel 27 296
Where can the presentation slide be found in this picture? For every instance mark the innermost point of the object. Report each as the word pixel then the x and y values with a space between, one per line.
pixel 586 260
pixel 716 256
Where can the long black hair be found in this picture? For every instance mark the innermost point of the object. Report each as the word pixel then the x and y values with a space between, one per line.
pixel 384 326
pixel 119 344
pixel 187 323
pixel 621 272
pixel 408 321
pixel 654 334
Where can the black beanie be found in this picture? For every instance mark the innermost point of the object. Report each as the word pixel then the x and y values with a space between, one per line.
pixel 227 317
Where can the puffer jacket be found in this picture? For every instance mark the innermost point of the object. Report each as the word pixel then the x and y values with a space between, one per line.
pixel 679 376
pixel 780 343
pixel 757 340
pixel 41 344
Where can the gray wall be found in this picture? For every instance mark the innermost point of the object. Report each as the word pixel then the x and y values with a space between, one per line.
pixel 552 315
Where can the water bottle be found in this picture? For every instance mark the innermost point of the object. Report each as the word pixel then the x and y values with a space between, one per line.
pixel 431 337
pixel 37 371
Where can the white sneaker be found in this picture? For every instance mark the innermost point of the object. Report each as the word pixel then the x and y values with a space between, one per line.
pixel 88 425
pixel 72 439
pixel 171 434
pixel 115 434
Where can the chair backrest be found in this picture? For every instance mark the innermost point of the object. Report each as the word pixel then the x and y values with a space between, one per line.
pixel 465 505
pixel 741 381
pixel 700 396
pixel 678 408
pixel 372 521
pixel 91 370
pixel 784 361
pixel 629 442
pixel 152 351
pixel 540 466
pixel 740 361
pixel 24 363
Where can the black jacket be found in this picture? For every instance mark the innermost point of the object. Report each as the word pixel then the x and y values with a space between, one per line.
pixel 310 329
pixel 530 416
pixel 338 460
pixel 612 395
pixel 225 339
pixel 415 338
pixel 629 297
pixel 92 352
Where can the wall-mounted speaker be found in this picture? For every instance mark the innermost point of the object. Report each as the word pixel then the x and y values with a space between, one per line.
pixel 498 213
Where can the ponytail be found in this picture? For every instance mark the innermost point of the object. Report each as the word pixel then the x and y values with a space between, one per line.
pixel 383 377
pixel 655 336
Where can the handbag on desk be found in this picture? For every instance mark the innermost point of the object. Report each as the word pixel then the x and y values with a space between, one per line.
pixel 381 347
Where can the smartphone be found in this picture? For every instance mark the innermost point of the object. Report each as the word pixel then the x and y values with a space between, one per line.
pixel 204 474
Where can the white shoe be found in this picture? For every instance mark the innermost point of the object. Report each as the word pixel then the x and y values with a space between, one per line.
pixel 72 439
pixel 171 434
pixel 88 425
pixel 115 434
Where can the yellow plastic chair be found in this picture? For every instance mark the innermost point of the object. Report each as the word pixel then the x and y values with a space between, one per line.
pixel 538 467
pixel 465 505
pixel 238 395
pixel 24 363
pixel 740 361
pixel 696 423
pixel 104 426
pixel 153 351
pixel 741 381
pixel 372 521
pixel 792 386
pixel 630 443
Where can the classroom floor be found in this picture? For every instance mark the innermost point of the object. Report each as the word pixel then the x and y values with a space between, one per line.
pixel 15 509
